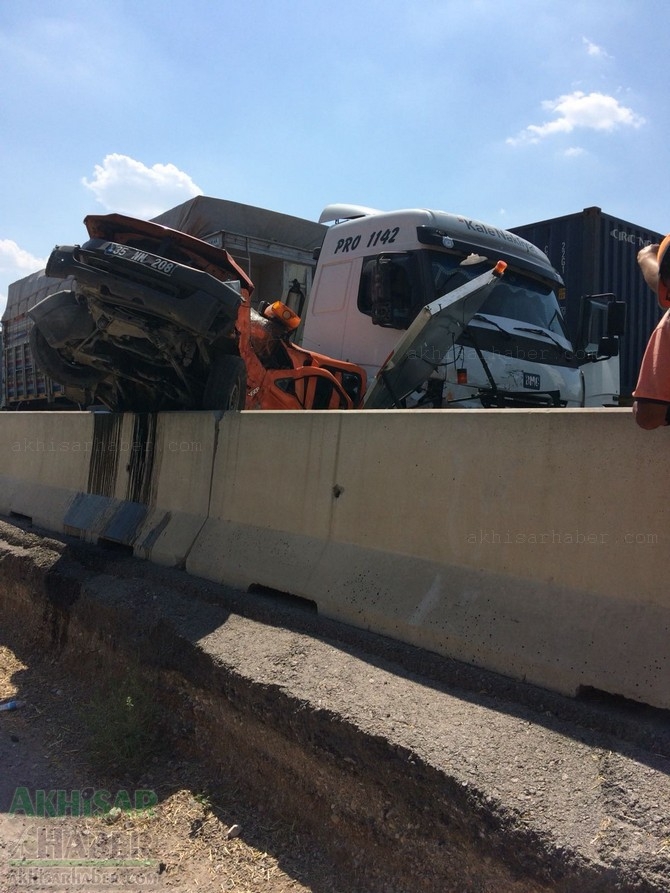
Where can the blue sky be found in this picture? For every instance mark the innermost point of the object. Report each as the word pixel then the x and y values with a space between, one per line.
pixel 510 111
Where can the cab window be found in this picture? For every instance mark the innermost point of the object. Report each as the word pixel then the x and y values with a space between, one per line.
pixel 390 290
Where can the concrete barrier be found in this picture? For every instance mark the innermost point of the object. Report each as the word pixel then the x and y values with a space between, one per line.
pixel 140 480
pixel 149 484
pixel 104 502
pixel 181 481
pixel 44 463
pixel 529 542
pixel 270 512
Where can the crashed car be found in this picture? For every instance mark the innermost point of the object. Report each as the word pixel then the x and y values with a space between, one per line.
pixel 153 319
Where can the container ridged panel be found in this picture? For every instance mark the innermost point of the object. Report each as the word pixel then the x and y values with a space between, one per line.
pixel 596 253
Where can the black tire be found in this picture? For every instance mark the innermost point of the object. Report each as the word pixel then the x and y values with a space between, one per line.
pixel 226 386
pixel 60 370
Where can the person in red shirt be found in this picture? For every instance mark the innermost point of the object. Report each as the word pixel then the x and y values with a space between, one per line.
pixel 651 408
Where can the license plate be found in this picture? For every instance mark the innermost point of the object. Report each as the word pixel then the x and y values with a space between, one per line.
pixel 531 381
pixel 136 256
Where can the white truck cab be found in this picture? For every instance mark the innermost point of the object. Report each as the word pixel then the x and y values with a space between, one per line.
pixel 376 271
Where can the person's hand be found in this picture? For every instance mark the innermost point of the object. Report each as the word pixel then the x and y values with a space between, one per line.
pixel 648 252
pixel 651 415
pixel 647 259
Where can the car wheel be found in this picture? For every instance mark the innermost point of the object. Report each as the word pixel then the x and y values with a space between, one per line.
pixel 226 386
pixel 49 360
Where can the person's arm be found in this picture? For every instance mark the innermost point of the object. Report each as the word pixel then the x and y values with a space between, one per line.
pixel 652 392
pixel 647 259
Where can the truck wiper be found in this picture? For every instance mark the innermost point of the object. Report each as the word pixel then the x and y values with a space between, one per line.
pixel 539 332
pixel 481 318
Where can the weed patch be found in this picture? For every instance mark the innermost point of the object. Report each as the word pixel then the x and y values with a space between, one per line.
pixel 126 726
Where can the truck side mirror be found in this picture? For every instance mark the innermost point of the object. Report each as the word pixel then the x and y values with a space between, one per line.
pixel 616 318
pixel 602 320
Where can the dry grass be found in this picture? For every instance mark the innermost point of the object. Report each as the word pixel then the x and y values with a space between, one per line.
pixel 184 837
pixel 10 666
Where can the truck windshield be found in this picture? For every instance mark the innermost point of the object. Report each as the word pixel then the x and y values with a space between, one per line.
pixel 516 297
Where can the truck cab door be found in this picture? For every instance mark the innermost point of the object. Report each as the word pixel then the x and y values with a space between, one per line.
pixel 601 325
pixel 602 321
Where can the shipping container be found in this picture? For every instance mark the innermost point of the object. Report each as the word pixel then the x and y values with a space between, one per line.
pixel 596 253
pixel 24 386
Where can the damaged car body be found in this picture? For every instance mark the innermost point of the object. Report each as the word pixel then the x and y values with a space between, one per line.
pixel 154 319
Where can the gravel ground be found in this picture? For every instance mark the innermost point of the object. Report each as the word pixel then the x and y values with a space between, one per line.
pixel 348 762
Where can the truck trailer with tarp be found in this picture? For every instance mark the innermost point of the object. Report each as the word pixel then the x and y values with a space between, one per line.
pixel 275 250
pixel 24 384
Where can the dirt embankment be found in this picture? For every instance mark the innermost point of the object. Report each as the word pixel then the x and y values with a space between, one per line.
pixel 390 769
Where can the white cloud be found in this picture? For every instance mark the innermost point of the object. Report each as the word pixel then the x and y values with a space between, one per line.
pixel 594 50
pixel 589 111
pixel 574 152
pixel 127 186
pixel 14 259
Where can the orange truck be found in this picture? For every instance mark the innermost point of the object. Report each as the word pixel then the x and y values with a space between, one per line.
pixel 153 319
